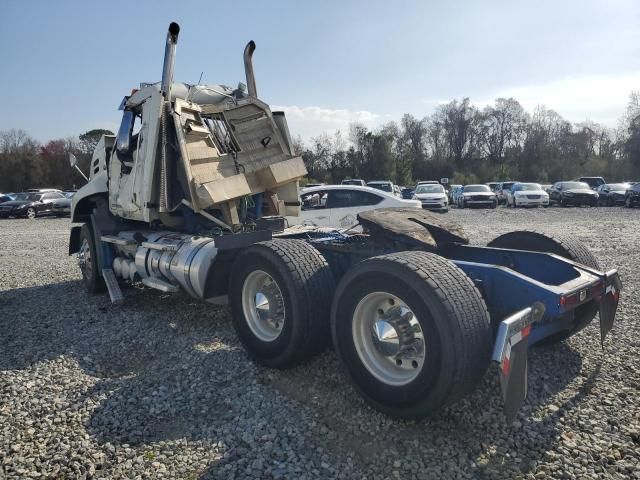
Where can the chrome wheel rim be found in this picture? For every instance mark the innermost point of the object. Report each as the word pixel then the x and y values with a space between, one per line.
pixel 31 213
pixel 388 338
pixel 263 305
pixel 84 258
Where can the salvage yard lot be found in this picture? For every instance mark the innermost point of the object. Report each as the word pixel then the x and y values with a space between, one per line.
pixel 159 387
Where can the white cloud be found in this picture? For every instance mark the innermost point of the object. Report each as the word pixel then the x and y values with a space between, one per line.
pixel 601 98
pixel 311 121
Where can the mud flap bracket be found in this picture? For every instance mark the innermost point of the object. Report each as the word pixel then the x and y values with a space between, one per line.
pixel 510 353
pixel 609 303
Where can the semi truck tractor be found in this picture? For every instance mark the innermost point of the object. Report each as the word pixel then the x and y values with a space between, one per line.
pixel 191 197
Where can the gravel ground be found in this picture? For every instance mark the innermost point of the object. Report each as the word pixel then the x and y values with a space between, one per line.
pixel 160 388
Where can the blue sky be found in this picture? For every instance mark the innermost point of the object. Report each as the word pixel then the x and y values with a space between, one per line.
pixel 66 65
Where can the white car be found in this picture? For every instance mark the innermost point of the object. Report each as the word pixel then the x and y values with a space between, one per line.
pixel 432 196
pixel 337 205
pixel 527 195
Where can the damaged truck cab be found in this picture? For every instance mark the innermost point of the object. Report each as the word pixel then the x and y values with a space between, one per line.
pixel 192 196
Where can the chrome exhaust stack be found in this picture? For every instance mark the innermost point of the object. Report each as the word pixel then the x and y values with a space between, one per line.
pixel 248 68
pixel 169 59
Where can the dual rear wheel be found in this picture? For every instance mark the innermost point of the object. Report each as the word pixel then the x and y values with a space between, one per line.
pixel 410 328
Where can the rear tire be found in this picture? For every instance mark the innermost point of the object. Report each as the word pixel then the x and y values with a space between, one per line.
pixel 31 213
pixel 448 318
pixel 280 294
pixel 88 261
pixel 564 246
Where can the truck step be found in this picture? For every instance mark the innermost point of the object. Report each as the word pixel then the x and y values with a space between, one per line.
pixel 159 285
pixel 165 247
pixel 117 240
pixel 112 285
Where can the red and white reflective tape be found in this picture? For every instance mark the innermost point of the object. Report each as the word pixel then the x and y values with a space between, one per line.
pixel 612 290
pixel 517 337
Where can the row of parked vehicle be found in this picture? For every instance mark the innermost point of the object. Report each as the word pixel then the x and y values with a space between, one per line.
pixel 36 202
pixel 564 193
pixel 338 205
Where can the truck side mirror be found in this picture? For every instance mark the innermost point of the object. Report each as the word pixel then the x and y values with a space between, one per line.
pixel 73 161
pixel 123 140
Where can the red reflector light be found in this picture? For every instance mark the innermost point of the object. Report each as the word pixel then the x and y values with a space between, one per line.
pixel 569 300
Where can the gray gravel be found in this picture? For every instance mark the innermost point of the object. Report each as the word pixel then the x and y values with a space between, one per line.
pixel 160 388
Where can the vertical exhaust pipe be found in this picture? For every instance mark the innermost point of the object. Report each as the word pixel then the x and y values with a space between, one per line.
pixel 169 59
pixel 166 192
pixel 248 68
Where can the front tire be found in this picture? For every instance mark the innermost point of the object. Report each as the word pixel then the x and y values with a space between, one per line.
pixel 280 294
pixel 88 262
pixel 412 331
pixel 31 213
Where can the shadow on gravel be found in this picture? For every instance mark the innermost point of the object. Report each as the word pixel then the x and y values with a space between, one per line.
pixel 169 367
pixel 471 431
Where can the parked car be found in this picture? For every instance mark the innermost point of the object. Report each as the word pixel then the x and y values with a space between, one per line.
pixel 492 185
pixel 384 185
pixel 30 205
pixel 593 182
pixel 432 197
pixel 611 194
pixel 501 191
pixel 62 207
pixel 573 193
pixel 477 196
pixel 527 195
pixel 337 205
pixel 426 182
pixel 632 196
pixel 451 192
pixel 407 193
pixel 354 181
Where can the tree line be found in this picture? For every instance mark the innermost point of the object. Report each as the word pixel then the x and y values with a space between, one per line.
pixel 467 145
pixel 458 141
pixel 26 163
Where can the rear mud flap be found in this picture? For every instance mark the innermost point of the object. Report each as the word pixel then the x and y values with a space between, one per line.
pixel 510 353
pixel 609 303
